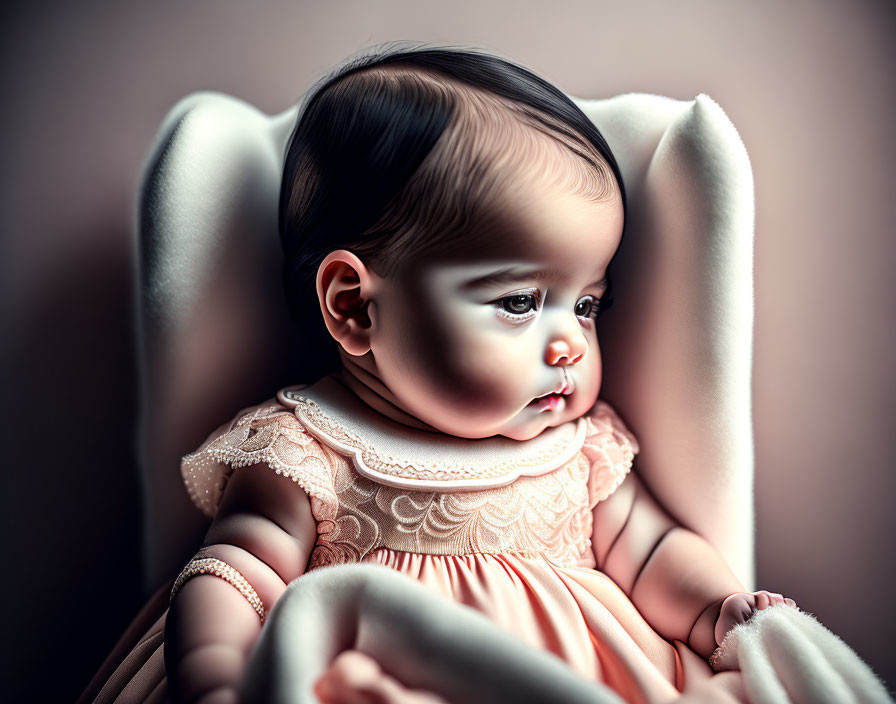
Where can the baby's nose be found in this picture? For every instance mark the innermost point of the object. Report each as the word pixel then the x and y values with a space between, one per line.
pixel 564 352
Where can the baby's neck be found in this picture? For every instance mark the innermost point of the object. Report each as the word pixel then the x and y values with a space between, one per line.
pixel 369 389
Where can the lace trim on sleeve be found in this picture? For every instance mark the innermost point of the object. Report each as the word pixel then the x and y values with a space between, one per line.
pixel 271 435
pixel 610 448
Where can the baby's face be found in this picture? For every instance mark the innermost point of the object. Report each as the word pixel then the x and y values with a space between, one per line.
pixel 472 351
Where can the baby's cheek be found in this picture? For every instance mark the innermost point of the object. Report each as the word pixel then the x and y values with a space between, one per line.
pixel 592 364
pixel 588 382
pixel 464 351
pixel 596 369
pixel 475 377
pixel 486 387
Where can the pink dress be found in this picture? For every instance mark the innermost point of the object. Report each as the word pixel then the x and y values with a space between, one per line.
pixel 499 525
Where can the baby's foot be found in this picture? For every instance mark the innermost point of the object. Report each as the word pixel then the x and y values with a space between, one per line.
pixel 356 678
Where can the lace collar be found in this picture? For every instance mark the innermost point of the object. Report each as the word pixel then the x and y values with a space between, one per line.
pixel 391 453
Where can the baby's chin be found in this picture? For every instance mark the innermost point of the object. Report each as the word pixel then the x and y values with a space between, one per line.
pixel 530 424
pixel 514 431
pixel 525 424
pixel 533 429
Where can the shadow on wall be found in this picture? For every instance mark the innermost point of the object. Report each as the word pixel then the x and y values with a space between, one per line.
pixel 73 507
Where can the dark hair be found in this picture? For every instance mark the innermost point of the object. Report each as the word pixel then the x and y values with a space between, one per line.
pixel 399 152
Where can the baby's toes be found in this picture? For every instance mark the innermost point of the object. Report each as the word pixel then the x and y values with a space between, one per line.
pixel 788 600
pixel 348 678
pixel 356 678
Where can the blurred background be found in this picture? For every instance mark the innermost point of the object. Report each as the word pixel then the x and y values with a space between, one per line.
pixel 808 85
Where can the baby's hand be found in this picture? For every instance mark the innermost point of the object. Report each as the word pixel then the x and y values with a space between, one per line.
pixel 740 607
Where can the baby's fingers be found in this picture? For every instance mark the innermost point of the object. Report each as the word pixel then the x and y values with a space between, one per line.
pixel 765 599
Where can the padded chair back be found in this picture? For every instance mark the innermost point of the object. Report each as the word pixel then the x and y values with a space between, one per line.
pixel 215 334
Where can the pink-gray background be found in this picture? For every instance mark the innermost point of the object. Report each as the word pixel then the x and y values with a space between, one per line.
pixel 808 85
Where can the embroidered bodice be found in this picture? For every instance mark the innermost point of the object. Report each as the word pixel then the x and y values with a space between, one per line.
pixel 374 483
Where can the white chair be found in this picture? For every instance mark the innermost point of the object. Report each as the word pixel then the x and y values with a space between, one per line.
pixel 216 336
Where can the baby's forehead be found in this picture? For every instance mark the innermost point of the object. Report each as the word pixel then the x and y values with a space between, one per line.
pixel 552 243
pixel 490 277
pixel 535 219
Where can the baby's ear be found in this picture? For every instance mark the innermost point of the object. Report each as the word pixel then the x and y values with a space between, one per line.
pixel 344 287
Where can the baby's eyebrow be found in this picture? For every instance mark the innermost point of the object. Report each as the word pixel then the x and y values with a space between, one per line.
pixel 511 275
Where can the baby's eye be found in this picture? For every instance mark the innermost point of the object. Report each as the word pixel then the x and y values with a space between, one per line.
pixel 588 307
pixel 518 308
pixel 519 304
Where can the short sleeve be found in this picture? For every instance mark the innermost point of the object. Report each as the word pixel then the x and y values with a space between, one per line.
pixel 270 434
pixel 610 447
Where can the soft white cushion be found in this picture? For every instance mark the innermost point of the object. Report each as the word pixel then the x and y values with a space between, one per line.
pixel 677 343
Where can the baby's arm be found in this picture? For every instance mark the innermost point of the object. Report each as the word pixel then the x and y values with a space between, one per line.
pixel 264 529
pixel 674 577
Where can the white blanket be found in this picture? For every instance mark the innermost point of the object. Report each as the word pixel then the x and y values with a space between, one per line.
pixel 429 643
pixel 785 655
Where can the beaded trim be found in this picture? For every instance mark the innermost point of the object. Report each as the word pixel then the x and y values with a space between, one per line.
pixel 273 436
pixel 219 568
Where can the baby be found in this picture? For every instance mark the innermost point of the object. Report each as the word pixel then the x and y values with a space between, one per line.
pixel 456 433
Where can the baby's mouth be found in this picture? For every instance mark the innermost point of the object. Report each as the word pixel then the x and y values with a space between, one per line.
pixel 551 400
pixel 548 402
